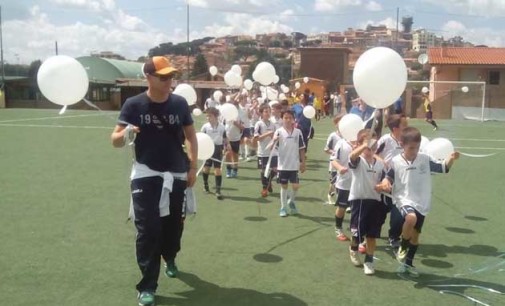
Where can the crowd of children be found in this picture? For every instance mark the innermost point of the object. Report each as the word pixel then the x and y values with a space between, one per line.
pixel 369 177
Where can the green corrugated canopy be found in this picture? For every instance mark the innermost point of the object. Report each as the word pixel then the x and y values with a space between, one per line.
pixel 107 71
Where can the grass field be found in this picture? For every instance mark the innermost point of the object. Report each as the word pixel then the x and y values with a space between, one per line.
pixel 65 240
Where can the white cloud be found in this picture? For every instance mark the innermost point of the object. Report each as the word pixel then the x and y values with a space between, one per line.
pixel 486 8
pixel 481 36
pixel 332 5
pixel 35 38
pixel 373 6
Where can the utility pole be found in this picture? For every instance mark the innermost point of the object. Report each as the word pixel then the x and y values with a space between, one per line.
pixel 187 38
pixel 2 51
pixel 396 35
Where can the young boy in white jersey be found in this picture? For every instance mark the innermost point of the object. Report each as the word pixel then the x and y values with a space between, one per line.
pixel 368 212
pixel 291 160
pixel 388 146
pixel 332 140
pixel 245 115
pixel 217 132
pixel 410 177
pixel 263 132
pixel 340 161
pixel 233 134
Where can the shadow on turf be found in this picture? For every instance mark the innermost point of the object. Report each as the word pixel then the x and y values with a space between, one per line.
pixel 206 293
pixel 460 230
pixel 456 286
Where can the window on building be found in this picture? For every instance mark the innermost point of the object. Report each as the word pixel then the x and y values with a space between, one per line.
pixel 494 77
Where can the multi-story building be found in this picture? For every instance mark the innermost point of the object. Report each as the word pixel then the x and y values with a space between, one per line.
pixel 422 40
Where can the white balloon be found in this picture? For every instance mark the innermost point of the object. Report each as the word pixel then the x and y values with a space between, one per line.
pixel 213 70
pixel 276 79
pixel 187 91
pixel 464 89
pixel 236 69
pixel 282 96
pixel 264 73
pixel 424 143
pixel 439 148
pixel 380 76
pixel 285 89
pixel 272 94
pixel 425 90
pixel 205 146
pixel 349 126
pixel 63 80
pixel 248 84
pixel 232 79
pixel 309 111
pixel 297 85
pixel 197 112
pixel 217 95
pixel 229 111
pixel 305 80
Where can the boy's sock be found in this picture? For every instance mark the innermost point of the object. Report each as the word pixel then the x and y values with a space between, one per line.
pixel 368 258
pixel 292 195
pixel 264 180
pixel 338 222
pixel 205 181
pixel 410 255
pixel 219 180
pixel 405 243
pixel 284 198
pixel 354 243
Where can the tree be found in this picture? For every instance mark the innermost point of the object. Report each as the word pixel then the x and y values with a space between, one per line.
pixel 275 44
pixel 243 52
pixel 200 66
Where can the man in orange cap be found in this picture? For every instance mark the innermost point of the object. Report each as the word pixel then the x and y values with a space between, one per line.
pixel 162 124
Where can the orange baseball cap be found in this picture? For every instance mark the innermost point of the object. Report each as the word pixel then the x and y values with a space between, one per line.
pixel 159 65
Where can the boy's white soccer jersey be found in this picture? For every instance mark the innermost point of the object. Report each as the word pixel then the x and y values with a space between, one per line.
pixel 332 140
pixel 233 132
pixel 243 114
pixel 217 134
pixel 262 127
pixel 341 154
pixel 365 177
pixel 289 145
pixel 388 147
pixel 412 181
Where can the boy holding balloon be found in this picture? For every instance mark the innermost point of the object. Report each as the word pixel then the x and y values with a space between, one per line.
pixel 409 179
pixel 217 132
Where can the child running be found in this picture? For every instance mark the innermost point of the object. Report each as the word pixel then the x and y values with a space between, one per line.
pixel 291 148
pixel 410 177
pixel 368 212
pixel 216 131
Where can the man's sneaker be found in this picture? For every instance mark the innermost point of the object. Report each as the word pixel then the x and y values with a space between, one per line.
pixel 368 268
pixel 219 196
pixel 146 298
pixel 292 208
pixel 340 235
pixel 354 258
pixel 401 254
pixel 171 270
pixel 283 212
pixel 362 248
pixel 264 193
pixel 410 270
pixel 394 242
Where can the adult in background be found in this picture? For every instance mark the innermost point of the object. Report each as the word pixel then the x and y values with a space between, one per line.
pixel 161 172
pixel 303 123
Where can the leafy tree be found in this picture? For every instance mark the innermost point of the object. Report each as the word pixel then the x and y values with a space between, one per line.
pixel 287 44
pixel 275 44
pixel 243 52
pixel 247 43
pixel 200 66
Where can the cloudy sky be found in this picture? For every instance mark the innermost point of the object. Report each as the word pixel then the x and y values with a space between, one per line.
pixel 130 28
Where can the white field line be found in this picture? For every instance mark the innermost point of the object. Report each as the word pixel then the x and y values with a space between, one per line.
pixel 53 117
pixel 57 126
pixel 480 148
pixel 460 139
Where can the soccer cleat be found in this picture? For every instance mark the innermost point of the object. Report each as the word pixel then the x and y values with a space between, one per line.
pixel 354 258
pixel 283 212
pixel 368 268
pixel 292 208
pixel 264 193
pixel 410 270
pixel 340 235
pixel 401 254
pixel 348 210
pixel 171 270
pixel 146 298
pixel 362 248
pixel 394 242
pixel 219 196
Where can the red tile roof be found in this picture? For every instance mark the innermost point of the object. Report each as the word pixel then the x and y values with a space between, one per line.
pixel 466 56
